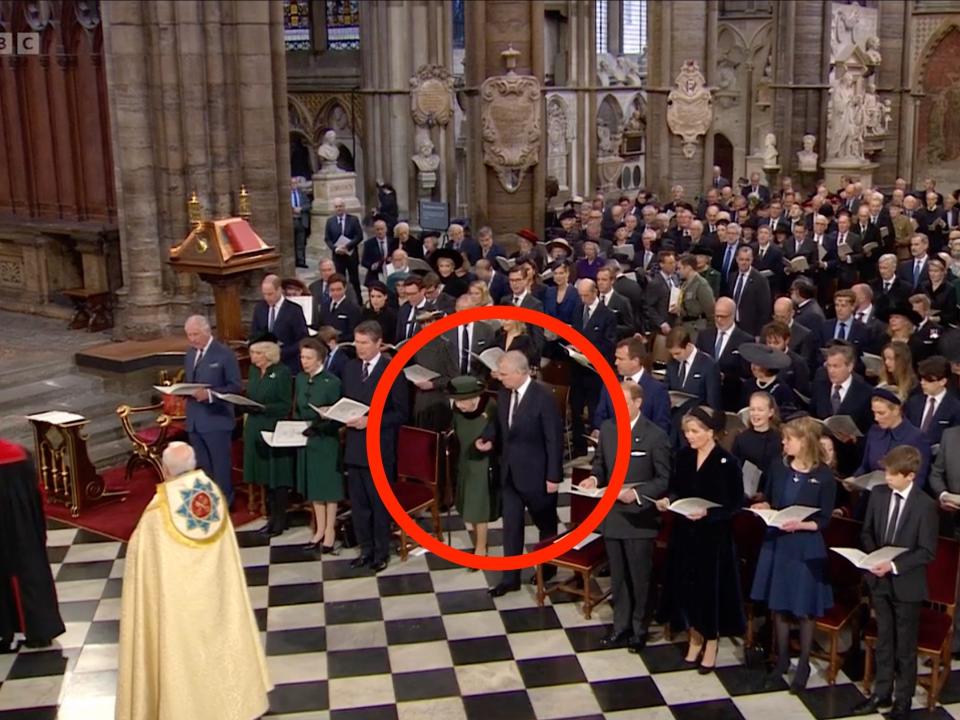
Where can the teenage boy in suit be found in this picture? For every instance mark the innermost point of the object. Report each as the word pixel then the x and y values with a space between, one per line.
pixel 900 515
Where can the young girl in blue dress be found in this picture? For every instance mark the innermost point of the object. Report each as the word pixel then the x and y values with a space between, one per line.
pixel 791 570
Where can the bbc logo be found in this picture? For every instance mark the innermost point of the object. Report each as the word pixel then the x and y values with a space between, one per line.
pixel 22 44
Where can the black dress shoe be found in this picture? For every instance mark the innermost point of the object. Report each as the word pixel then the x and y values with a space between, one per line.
pixel 870 705
pixel 359 562
pixel 615 640
pixel 311 546
pixel 327 549
pixel 501 589
pixel 302 265
pixel 637 644
pixel 34 643
pixel 378 565
pixel 265 530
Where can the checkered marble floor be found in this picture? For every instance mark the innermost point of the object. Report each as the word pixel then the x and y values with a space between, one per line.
pixel 421 640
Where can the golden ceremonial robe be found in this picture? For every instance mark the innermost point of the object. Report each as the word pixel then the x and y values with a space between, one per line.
pixel 189 643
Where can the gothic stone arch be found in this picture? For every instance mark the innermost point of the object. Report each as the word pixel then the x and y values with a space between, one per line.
pixel 937 135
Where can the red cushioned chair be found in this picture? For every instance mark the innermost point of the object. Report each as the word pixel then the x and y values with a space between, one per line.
pixel 584 563
pixel 748 533
pixel 556 373
pixel 847 592
pixel 149 442
pixel 935 636
pixel 418 473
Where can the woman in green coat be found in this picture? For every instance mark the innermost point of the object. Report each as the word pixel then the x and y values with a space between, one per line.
pixel 269 384
pixel 318 476
pixel 478 491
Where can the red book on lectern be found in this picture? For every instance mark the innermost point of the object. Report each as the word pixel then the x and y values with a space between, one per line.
pixel 242 237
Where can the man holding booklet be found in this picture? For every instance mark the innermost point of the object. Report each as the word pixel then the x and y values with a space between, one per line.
pixel 899 515
pixel 631 526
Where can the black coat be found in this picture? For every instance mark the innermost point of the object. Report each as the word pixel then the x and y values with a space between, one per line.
pixel 755 306
pixel 601 331
pixel 386 318
pixel 482 338
pixel 394 413
pixel 899 292
pixel 804 343
pixel 623 312
pixel 811 316
pixel 856 403
pixel 702 379
pixel 733 368
pixel 649 471
pixel 351 229
pixel 772 260
pixel 946 416
pixel 289 327
pixel 345 318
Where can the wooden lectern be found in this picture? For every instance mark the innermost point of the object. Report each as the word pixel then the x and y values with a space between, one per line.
pixel 223 253
pixel 66 473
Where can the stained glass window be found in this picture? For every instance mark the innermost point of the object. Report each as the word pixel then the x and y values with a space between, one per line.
pixel 634 26
pixel 343 24
pixel 601 13
pixel 296 24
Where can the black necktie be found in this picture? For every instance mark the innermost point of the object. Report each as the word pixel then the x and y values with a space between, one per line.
pixel 365 372
pixel 411 322
pixel 928 415
pixel 199 358
pixel 683 373
pixel 514 401
pixel 738 291
pixel 842 331
pixel 835 399
pixel 894 519
pixel 465 351
pixel 586 315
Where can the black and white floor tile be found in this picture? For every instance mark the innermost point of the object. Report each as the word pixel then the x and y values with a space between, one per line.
pixel 423 640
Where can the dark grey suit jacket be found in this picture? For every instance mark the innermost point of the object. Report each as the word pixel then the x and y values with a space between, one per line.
pixel 483 338
pixel 649 470
pixel 945 475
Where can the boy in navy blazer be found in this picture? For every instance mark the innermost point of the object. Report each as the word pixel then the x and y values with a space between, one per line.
pixel 210 421
pixel 935 409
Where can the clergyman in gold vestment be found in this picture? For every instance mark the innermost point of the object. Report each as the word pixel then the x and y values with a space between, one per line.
pixel 189 643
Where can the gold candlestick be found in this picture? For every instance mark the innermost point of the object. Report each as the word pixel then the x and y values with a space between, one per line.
pixel 244 203
pixel 194 211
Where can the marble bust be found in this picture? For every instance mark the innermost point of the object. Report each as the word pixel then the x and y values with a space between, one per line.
pixel 807 158
pixel 426 159
pixel 770 153
pixel 329 152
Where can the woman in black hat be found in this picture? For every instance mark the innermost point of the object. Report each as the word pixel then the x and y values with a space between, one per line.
pixel 702 589
pixel 378 308
pixel 765 366
pixel 446 262
pixel 478 489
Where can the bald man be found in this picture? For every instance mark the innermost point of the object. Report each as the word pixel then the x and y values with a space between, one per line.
pixel 281 318
pixel 343 235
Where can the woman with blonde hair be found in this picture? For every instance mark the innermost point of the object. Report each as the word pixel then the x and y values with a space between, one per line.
pixel 513 335
pixel 896 372
pixel 760 442
pixel 269 383
pixel 480 294
pixel 791 570
pixel 702 589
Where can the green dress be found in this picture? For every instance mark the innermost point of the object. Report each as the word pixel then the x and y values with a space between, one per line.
pixel 318 474
pixel 262 464
pixel 478 491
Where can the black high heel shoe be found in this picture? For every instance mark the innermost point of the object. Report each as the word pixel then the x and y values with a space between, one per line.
pixel 326 549
pixel 800 680
pixel 697 659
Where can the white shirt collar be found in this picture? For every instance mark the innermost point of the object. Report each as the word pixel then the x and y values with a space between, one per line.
pixel 372 362
pixel 905 493
pixel 607 295
pixel 278 305
pixel 207 346
pixel 522 390
pixel 690 359
pixel 637 376
pixel 844 386
pixel 633 423
pixel 937 399
pixel 593 305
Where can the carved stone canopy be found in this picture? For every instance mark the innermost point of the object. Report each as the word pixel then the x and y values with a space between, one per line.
pixel 510 124
pixel 689 107
pixel 431 96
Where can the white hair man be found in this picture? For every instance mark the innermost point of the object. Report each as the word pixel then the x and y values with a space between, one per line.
pixel 343 234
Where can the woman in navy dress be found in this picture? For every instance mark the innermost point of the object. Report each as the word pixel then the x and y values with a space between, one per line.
pixel 562 300
pixel 702 590
pixel 791 570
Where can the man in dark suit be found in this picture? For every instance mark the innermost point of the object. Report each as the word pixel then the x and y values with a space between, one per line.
pixel 750 292
pixel 343 235
pixel 210 421
pixel 915 271
pixel 901 515
pixel 935 409
pixel 842 392
pixel 849 263
pixel 633 290
pixel 497 285
pixel 371 521
pixel 809 313
pixel 340 313
pixel 844 326
pixel 755 188
pixel 722 343
pixel 416 301
pixel 629 358
pixel 300 206
pixel 520 296
pixel 889 291
pixel 630 528
pixel 377 251
pixel 768 258
pixel 691 371
pixel 615 302
pixel 318 288
pixel 599 326
pixel 282 319
pixel 719 181
pixel 457 239
pixel 467 342
pixel 661 284
pixel 802 340
pixel 530 434
pixel 945 478
pixel 337 356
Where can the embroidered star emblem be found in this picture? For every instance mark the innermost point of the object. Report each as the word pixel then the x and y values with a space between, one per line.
pixel 200 506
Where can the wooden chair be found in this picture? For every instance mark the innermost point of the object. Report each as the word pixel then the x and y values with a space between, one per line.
pixel 418 479
pixel 748 533
pixel 556 372
pixel 660 355
pixel 584 563
pixel 149 442
pixel 561 394
pixel 847 597
pixel 935 635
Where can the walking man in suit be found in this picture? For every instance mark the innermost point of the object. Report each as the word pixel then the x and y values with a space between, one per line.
pixel 343 234
pixel 210 421
pixel 530 435
pixel 631 527
pixel 282 319
pixel 371 521
pixel 598 325
pixel 899 515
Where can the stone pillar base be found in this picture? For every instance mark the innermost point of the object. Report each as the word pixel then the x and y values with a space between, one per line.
pixel 328 186
pixel 835 172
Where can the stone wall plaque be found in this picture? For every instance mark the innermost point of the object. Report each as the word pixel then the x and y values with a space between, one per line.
pixel 431 96
pixel 689 107
pixel 510 121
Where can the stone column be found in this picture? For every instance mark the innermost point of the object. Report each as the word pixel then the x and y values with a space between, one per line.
pixel 197 95
pixel 492 27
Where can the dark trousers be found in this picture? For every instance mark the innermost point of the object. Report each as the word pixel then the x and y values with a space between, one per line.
pixel 371 521
pixel 584 393
pixel 630 563
pixel 299 242
pixel 543 509
pixel 897 624
pixel 349 265
pixel 214 457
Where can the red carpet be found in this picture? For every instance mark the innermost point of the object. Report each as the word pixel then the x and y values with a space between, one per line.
pixel 117 519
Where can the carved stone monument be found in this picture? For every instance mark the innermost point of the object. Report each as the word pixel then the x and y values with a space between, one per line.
pixel 770 153
pixel 689 107
pixel 427 162
pixel 511 120
pixel 431 96
pixel 806 157
pixel 330 182
pixel 609 163
pixel 846 124
pixel 559 136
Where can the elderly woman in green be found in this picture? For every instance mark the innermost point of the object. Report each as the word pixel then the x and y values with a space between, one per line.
pixel 269 384
pixel 318 477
